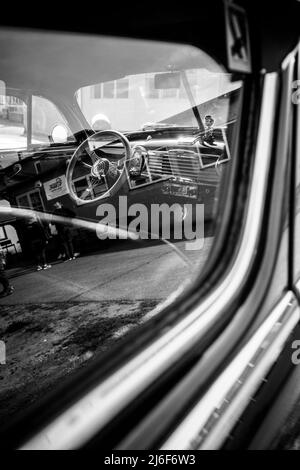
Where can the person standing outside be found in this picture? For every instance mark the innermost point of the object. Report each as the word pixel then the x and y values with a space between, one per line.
pixel 39 238
pixel 64 229
pixel 7 288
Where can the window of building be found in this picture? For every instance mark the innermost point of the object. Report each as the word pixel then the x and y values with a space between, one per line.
pixel 96 91
pixel 3 235
pixel 169 93
pixel 122 88
pixel 151 92
pixel 13 117
pixel 31 200
pixel 109 90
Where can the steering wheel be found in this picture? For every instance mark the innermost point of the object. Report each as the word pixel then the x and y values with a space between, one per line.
pixel 97 169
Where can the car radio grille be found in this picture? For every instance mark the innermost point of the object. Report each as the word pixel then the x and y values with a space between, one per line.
pixel 187 165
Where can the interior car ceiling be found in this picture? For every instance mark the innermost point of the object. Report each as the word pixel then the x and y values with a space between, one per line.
pixel 273 25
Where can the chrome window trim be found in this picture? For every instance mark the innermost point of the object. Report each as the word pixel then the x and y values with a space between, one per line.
pixel 210 421
pixel 297 162
pixel 82 420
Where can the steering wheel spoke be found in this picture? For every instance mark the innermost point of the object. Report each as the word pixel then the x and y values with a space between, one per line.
pixel 86 165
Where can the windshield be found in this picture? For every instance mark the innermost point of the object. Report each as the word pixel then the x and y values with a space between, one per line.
pixel 139 102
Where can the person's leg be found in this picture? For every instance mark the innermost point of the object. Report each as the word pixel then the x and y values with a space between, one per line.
pixel 43 255
pixel 63 244
pixel 66 248
pixel 36 253
pixel 7 288
pixel 71 247
pixel 39 259
pixel 4 280
pixel 68 245
pixel 60 247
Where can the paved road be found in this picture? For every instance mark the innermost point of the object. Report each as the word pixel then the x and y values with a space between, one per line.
pixel 150 272
pixel 58 320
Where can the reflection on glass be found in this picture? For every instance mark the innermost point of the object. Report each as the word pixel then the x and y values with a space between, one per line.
pixel 109 181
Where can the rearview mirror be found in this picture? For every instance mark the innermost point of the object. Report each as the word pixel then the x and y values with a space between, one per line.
pixel 165 81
